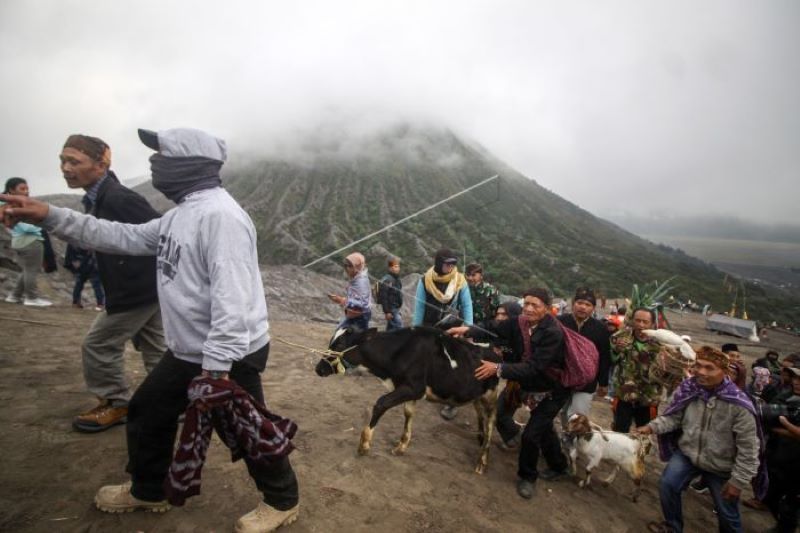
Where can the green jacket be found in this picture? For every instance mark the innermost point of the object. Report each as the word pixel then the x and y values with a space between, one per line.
pixel 485 299
pixel 633 359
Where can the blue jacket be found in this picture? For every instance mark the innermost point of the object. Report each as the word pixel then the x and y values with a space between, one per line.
pixel 461 304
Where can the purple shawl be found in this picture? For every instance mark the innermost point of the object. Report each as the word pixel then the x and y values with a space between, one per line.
pixel 727 391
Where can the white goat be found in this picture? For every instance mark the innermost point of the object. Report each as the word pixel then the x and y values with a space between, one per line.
pixel 595 444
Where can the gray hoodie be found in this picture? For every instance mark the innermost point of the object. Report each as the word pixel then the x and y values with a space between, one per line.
pixel 209 284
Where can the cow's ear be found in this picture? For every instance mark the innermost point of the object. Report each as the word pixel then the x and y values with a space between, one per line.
pixel 371 332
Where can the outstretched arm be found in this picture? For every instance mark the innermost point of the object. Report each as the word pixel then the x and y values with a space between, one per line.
pixel 82 230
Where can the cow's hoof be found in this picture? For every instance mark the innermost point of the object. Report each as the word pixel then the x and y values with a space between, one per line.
pixel 399 450
pixel 363 450
pixel 480 469
pixel 582 483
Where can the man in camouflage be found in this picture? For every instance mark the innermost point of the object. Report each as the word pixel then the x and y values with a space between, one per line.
pixel 636 396
pixel 485 297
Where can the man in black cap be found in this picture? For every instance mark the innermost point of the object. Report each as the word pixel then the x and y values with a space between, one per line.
pixel 443 300
pixel 582 320
pixel 131 303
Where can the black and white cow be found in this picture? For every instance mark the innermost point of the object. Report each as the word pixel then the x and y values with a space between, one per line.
pixel 416 362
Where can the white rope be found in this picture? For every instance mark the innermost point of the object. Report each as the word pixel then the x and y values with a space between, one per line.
pixel 406 219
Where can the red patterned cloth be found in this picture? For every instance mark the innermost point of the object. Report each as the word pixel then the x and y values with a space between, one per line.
pixel 244 425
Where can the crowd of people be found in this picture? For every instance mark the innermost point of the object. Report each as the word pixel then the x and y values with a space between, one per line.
pixel 716 428
pixel 185 287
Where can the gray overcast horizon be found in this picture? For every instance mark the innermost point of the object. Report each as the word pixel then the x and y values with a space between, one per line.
pixel 678 107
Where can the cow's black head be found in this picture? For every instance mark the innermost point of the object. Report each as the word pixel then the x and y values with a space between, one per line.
pixel 344 342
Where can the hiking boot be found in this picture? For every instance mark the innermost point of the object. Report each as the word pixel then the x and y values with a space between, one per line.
pixel 37 302
pixel 100 418
pixel 265 518
pixel 552 475
pixel 449 412
pixel 77 306
pixel 699 486
pixel 118 499
pixel 11 299
pixel 512 444
pixel 525 488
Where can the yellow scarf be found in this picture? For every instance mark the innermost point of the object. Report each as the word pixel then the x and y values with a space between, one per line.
pixel 455 282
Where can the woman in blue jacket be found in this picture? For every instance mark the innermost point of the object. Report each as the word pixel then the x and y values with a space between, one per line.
pixel 28 242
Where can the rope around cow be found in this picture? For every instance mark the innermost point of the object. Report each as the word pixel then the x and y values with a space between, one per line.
pixel 336 364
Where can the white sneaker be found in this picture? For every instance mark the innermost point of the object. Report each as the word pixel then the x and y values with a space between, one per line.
pixel 37 302
pixel 11 299
pixel 264 519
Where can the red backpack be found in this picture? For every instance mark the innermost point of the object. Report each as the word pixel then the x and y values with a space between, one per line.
pixel 581 358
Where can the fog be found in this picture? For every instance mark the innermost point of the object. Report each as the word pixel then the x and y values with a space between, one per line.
pixel 682 107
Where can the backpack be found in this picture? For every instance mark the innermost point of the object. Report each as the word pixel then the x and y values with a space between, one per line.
pixel 581 359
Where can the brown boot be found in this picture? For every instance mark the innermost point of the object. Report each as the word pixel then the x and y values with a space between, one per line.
pixel 118 499
pixel 264 519
pixel 100 418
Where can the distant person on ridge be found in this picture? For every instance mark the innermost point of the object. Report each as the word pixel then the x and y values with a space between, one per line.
pixel 485 297
pixel 215 316
pixel 390 295
pixel 443 301
pixel 357 301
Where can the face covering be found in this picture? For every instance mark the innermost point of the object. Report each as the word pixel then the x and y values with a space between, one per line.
pixel 176 177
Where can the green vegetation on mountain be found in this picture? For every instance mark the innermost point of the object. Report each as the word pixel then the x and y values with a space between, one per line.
pixel 339 189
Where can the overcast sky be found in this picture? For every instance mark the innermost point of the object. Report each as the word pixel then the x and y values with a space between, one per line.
pixel 682 107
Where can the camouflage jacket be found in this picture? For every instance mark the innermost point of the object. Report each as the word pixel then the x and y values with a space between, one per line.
pixel 631 375
pixel 485 299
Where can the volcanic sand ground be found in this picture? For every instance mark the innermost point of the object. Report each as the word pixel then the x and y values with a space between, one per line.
pixel 49 473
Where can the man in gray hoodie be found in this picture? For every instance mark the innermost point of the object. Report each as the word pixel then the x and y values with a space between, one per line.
pixel 213 309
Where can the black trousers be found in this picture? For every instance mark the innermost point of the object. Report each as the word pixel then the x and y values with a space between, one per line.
pixel 783 498
pixel 539 434
pixel 153 424
pixel 627 412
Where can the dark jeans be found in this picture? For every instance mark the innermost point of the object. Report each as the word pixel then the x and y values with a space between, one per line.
pixel 153 424
pixel 627 412
pixel 677 475
pixel 94 279
pixel 396 322
pixel 539 434
pixel 783 498
pixel 358 323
